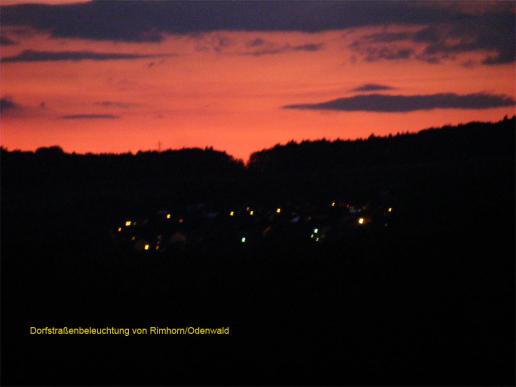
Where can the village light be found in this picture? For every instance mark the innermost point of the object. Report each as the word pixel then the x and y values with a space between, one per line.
pixel 278 210
pixel 243 240
pixel 389 209
pixel 169 216
pixel 119 229
pixel 251 212
pixel 127 223
pixel 333 204
pixel 146 247
pixel 231 213
pixel 361 220
pixel 316 230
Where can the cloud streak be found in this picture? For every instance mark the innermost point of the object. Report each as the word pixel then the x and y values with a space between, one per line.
pixel 5 41
pixel 267 48
pixel 53 56
pixel 7 104
pixel 371 87
pixel 90 117
pixel 407 103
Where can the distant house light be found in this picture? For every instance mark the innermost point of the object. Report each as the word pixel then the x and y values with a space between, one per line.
pixel 231 213
pixel 243 240
pixel 128 223
pixel 169 216
pixel 316 230
pixel 389 209
pixel 119 229
pixel 251 212
pixel 361 220
pixel 278 210
pixel 146 247
pixel 333 204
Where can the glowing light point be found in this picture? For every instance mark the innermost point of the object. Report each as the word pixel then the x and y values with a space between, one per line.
pixel 243 240
pixel 278 210
pixel 251 212
pixel 389 209
pixel 361 220
pixel 146 247
pixel 128 223
pixel 231 213
pixel 333 204
pixel 316 230
pixel 169 216
pixel 119 229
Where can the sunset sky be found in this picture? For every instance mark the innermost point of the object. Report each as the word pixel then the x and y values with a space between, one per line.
pixel 105 76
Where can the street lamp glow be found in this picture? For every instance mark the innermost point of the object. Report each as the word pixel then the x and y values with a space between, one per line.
pixel 146 247
pixel 231 213
pixel 169 216
pixel 243 240
pixel 361 220
pixel 278 210
pixel 127 223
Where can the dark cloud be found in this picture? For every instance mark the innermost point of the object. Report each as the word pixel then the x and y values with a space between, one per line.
pixel 372 87
pixel 7 104
pixel 259 47
pixel 447 28
pixel 492 34
pixel 374 54
pixel 5 41
pixel 90 117
pixel 408 103
pixel 45 56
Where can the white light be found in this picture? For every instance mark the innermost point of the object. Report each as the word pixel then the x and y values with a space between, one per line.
pixel 242 240
pixel 316 230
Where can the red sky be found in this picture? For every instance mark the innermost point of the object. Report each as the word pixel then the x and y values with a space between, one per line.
pixel 226 89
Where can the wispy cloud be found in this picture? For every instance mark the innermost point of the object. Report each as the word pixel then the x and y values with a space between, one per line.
pixel 408 103
pixel 5 41
pixel 45 56
pixel 90 117
pixel 269 48
pixel 116 104
pixel 7 104
pixel 371 87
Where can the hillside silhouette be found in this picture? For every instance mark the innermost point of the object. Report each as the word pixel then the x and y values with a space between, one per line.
pixel 425 296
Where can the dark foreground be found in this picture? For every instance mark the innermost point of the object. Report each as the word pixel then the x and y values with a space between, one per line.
pixel 430 301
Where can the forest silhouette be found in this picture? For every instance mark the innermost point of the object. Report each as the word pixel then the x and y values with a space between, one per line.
pixel 428 300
